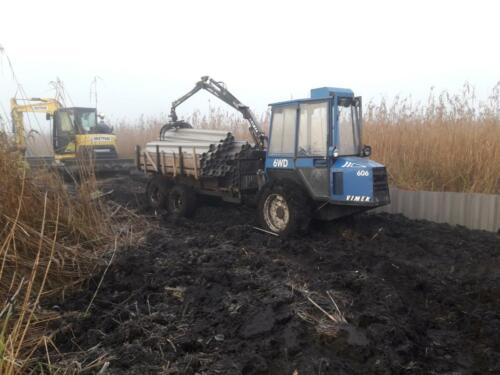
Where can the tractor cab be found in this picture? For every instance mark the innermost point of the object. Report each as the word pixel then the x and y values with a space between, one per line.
pixel 316 142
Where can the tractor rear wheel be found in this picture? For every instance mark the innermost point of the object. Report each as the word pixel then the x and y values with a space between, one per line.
pixel 157 192
pixel 182 201
pixel 284 210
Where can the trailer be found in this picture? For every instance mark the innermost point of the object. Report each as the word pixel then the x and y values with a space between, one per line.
pixel 312 165
pixel 199 162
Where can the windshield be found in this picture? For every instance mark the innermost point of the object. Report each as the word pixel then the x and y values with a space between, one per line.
pixel 86 120
pixel 348 123
pixel 313 129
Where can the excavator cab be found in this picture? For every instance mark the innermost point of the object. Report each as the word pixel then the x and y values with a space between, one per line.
pixel 76 132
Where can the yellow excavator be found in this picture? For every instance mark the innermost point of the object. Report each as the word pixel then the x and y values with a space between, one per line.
pixel 77 136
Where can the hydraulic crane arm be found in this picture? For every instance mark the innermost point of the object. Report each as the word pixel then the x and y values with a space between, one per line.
pixel 220 91
pixel 35 105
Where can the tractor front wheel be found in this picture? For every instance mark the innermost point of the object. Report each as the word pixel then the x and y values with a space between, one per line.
pixel 284 210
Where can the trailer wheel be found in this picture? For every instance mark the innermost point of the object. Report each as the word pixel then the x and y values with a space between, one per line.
pixel 284 210
pixel 182 201
pixel 157 192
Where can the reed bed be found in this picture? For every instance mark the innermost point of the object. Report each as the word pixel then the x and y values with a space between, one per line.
pixel 50 241
pixel 451 142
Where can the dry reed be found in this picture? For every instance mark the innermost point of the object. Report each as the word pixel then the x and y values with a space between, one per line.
pixel 50 241
pixel 320 310
pixel 449 143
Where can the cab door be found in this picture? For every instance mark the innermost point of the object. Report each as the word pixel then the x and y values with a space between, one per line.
pixel 312 147
pixel 280 160
pixel 64 133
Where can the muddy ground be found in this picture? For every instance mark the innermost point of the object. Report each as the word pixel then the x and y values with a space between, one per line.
pixel 212 295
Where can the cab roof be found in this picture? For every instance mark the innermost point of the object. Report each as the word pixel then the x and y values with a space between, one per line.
pixel 77 108
pixel 319 93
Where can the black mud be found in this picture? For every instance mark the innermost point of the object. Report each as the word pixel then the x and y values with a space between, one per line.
pixel 213 296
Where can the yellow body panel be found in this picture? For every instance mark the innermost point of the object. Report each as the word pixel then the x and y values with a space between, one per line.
pixel 96 140
pixel 87 141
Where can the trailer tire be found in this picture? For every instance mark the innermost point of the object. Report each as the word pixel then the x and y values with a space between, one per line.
pixel 157 191
pixel 284 209
pixel 182 201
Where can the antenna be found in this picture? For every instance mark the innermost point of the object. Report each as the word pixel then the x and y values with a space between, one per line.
pixel 93 89
pixel 60 92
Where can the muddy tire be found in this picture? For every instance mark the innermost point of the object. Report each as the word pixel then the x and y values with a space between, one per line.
pixel 157 192
pixel 284 209
pixel 181 201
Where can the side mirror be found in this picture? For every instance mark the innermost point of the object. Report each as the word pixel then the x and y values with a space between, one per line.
pixel 333 152
pixel 367 150
pixel 48 116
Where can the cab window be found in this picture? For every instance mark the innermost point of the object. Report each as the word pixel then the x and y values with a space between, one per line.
pixel 283 131
pixel 88 121
pixel 65 123
pixel 348 123
pixel 313 127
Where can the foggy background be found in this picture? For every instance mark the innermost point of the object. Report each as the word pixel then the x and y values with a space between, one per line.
pixel 148 53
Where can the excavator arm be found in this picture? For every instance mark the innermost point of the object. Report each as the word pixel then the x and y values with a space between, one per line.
pixel 34 105
pixel 220 91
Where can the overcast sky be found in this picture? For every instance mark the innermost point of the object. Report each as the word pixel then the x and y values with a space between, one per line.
pixel 150 52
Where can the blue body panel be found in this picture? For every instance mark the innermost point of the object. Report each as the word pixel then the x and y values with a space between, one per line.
pixel 357 176
pixel 357 179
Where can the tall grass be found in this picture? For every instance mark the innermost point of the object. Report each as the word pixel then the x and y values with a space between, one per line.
pixel 49 242
pixel 450 142
pixel 139 132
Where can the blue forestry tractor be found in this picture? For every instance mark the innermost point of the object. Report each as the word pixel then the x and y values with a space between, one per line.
pixel 312 165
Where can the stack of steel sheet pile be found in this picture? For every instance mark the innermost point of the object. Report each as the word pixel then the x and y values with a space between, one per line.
pixel 220 155
pixel 235 164
pixel 187 139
